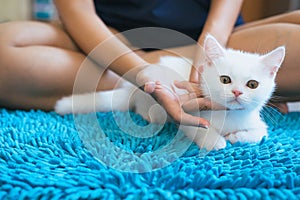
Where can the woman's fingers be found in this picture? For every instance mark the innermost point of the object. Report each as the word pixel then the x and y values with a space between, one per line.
pixel 193 88
pixel 172 104
pixel 197 104
pixel 194 75
pixel 194 100
pixel 150 86
pixel 190 120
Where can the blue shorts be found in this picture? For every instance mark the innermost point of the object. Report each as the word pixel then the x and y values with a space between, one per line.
pixel 187 17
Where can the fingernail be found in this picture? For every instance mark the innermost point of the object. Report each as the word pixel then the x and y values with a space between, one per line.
pixel 204 126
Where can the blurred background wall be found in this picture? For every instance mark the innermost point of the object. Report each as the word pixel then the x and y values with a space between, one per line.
pixel 15 9
pixel 27 9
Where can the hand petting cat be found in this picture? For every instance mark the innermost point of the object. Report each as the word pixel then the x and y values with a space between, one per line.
pixel 195 100
pixel 176 105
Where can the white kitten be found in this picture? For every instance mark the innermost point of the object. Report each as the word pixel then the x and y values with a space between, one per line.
pixel 242 82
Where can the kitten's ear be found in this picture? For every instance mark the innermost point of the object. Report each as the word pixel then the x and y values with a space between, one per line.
pixel 212 48
pixel 274 59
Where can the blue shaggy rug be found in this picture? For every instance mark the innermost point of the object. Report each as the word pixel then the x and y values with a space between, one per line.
pixel 113 156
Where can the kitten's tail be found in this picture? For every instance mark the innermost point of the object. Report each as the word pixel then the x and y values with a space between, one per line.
pixel 118 99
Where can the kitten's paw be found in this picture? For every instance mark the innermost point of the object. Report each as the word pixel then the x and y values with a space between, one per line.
pixel 213 144
pixel 63 106
pixel 232 138
pixel 221 144
pixel 246 136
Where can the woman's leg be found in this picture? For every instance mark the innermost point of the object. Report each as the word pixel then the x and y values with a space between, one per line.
pixel 292 17
pixel 263 36
pixel 38 65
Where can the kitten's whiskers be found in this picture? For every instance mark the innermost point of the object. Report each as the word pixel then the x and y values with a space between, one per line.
pixel 269 113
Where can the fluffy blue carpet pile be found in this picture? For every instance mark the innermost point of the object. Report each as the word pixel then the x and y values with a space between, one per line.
pixel 106 156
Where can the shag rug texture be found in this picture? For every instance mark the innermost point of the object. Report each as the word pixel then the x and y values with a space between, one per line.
pixel 113 156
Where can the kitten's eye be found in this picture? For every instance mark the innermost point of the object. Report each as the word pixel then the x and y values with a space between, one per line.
pixel 252 84
pixel 225 79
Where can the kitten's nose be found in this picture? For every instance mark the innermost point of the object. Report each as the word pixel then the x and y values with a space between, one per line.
pixel 237 93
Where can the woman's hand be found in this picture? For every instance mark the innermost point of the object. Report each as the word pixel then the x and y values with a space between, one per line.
pixel 194 100
pixel 173 104
pixel 162 91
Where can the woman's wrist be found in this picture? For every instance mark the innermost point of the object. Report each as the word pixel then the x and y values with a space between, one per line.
pixel 143 74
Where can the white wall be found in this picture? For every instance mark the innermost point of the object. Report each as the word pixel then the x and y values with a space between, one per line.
pixel 15 10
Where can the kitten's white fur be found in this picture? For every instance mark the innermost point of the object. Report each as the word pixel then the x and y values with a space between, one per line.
pixel 240 123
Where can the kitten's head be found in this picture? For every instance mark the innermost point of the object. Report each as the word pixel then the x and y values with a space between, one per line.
pixel 239 80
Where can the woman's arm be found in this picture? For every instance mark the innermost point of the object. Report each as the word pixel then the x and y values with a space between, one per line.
pixel 89 31
pixel 220 23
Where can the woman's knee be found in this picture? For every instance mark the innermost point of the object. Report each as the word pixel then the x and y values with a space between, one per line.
pixel 27 33
pixel 11 33
pixel 294 15
pixel 7 43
